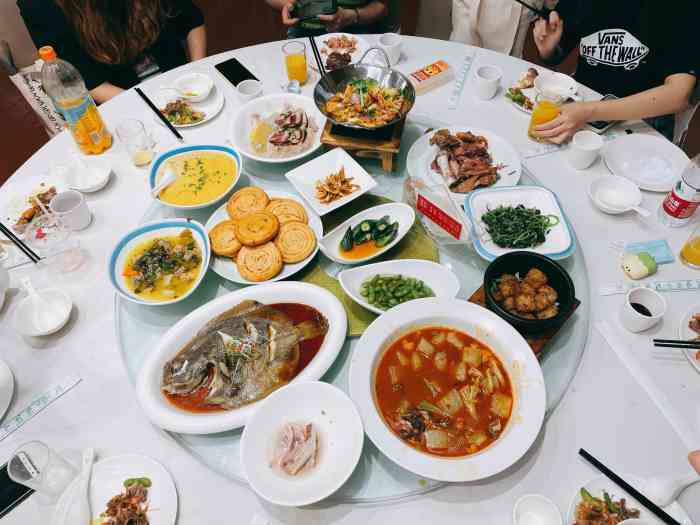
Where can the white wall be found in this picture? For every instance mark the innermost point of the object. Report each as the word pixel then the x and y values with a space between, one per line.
pixel 434 19
pixel 12 29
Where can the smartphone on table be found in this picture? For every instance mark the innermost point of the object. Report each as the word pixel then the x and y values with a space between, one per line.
pixel 601 126
pixel 308 9
pixel 11 493
pixel 234 71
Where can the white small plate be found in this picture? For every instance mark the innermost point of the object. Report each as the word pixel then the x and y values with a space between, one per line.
pixel 210 106
pixel 360 49
pixel 530 93
pixel 93 177
pixel 534 508
pixel 341 438
pixel 652 163
pixel 305 177
pixel 614 195
pixel 686 334
pixel 27 314
pixel 107 480
pixel 7 387
pixel 559 243
pixel 437 277
pixel 403 213
pixel 226 267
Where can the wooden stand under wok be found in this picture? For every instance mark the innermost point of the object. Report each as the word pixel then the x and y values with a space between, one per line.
pixel 367 144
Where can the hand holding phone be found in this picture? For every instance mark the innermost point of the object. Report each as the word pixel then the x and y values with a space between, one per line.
pixel 601 126
pixel 308 9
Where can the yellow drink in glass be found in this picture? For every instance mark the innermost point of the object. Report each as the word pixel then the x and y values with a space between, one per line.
pixel 295 61
pixel 545 110
pixel 690 253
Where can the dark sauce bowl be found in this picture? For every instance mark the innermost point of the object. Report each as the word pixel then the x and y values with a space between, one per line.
pixel 521 262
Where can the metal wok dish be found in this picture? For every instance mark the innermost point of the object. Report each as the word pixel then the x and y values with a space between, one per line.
pixel 336 81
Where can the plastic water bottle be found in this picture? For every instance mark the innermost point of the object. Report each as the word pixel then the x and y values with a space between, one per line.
pixel 683 200
pixel 63 83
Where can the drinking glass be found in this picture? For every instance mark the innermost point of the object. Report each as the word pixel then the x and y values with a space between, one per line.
pixel 36 466
pixel 690 253
pixel 295 60
pixel 547 108
pixel 137 142
pixel 53 241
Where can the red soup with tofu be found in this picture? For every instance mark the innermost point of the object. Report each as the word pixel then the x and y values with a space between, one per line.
pixel 443 392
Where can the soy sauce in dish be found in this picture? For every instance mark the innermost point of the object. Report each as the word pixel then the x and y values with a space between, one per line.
pixel 641 309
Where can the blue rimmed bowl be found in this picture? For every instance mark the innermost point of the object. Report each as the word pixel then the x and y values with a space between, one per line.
pixel 158 167
pixel 153 230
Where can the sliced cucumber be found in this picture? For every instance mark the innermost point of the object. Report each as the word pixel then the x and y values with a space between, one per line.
pixel 346 242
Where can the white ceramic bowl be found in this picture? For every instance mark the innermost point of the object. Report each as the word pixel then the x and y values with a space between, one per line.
pixel 86 179
pixel 340 440
pixel 437 277
pixel 533 508
pixel 265 106
pixel 515 354
pixel 403 213
pixel 194 87
pixel 614 195
pixel 165 415
pixel 558 84
pixel 152 230
pixel 33 322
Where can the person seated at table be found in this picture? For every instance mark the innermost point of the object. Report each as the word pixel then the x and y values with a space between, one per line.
pixel 642 55
pixel 117 44
pixel 352 16
pixel 499 25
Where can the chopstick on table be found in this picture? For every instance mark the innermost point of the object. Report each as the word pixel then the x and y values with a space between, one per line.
pixel 317 56
pixel 159 115
pixel 676 343
pixel 641 498
pixel 542 13
pixel 19 243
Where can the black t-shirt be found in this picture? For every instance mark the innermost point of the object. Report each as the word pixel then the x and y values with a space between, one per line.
pixel 48 25
pixel 628 46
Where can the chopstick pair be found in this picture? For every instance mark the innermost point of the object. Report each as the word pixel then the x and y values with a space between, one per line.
pixel 542 13
pixel 19 243
pixel 317 56
pixel 641 498
pixel 677 343
pixel 159 115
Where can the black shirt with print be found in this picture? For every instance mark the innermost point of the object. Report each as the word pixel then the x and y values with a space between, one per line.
pixel 628 46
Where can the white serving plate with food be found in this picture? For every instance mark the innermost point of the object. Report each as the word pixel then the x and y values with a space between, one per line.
pixel 158 168
pixel 305 177
pixel 403 213
pixel 211 106
pixel 165 415
pixel 514 353
pixel 340 440
pixel 597 485
pixel 226 267
pixel 360 49
pixel 559 243
pixel 242 124
pixel 107 480
pixel 651 162
pixel 437 277
pixel 686 334
pixel 152 230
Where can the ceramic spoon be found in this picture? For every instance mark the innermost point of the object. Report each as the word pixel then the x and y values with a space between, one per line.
pixel 664 490
pixel 45 315
pixel 84 512
pixel 165 181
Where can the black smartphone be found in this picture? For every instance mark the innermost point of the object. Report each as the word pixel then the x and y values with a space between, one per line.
pixel 11 493
pixel 234 71
pixel 601 126
pixel 307 9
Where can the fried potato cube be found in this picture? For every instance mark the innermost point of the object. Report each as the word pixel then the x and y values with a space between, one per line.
pixel 525 303
pixel 536 278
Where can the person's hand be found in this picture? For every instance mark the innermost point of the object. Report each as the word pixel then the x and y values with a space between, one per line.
pixel 338 20
pixel 548 34
pixel 287 18
pixel 694 459
pixel 572 118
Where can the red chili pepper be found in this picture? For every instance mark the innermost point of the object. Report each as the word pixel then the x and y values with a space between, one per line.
pixel 40 234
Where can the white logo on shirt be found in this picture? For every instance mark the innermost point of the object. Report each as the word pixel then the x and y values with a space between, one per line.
pixel 613 47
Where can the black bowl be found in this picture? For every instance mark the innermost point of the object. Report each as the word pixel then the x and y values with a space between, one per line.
pixel 520 262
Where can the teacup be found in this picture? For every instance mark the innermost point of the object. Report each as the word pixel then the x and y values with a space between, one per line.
pixel 391 44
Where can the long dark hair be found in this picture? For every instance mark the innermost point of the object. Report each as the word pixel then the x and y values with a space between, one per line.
pixel 115 31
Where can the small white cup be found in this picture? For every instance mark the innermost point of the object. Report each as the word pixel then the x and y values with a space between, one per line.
pixel 652 300
pixel 391 43
pixel 248 89
pixel 584 149
pixel 487 82
pixel 70 206
pixel 533 508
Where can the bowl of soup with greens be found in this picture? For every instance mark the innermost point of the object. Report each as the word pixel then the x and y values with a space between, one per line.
pixel 204 175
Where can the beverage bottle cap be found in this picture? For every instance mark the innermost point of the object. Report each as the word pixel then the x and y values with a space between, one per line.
pixel 47 53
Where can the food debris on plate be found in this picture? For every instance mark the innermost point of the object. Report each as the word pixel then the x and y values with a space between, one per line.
pixel 130 507
pixel 605 511
pixel 464 161
pixel 45 195
pixel 528 79
pixel 181 113
pixel 515 93
pixel 335 186
pixel 296 449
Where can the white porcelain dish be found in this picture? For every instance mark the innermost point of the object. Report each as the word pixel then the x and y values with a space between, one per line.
pixel 157 169
pixel 437 277
pixel 557 84
pixel 686 334
pixel 535 509
pixel 341 438
pixel 264 107
pixel 211 106
pixel 90 176
pixel 614 195
pixel 360 49
pixel 53 314
pixel 652 163
pixel 559 243
pixel 165 415
pixel 515 354
pixel 7 387
pixel 305 177
pixel 194 87
pixel 226 267
pixel 152 230
pixel 403 213
pixel 107 480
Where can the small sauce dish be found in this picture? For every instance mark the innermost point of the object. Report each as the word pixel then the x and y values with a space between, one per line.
pixel 533 509
pixel 85 175
pixel 194 87
pixel 249 89
pixel 615 195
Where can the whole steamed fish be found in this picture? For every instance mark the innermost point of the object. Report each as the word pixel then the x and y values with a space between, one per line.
pixel 242 355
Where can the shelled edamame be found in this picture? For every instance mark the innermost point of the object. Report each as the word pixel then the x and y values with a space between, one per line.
pixel 387 291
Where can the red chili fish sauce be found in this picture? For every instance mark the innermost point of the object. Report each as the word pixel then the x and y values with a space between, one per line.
pixel 194 402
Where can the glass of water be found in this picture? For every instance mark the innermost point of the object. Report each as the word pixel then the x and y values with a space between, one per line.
pixel 137 142
pixel 36 466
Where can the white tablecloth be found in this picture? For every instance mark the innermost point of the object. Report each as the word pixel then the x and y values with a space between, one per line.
pixel 605 410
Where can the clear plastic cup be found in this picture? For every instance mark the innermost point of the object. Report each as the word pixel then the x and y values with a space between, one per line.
pixel 36 466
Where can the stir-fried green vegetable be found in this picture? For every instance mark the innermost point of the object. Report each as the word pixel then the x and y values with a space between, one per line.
pixel 386 291
pixel 518 227
pixel 144 482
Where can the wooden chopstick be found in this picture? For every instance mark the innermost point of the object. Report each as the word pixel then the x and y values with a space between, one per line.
pixel 19 243
pixel 641 498
pixel 317 56
pixel 159 115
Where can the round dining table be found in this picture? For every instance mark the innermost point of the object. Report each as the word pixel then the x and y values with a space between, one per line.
pixel 632 406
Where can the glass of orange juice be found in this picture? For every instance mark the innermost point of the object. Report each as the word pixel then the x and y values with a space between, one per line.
pixel 547 107
pixel 690 253
pixel 295 60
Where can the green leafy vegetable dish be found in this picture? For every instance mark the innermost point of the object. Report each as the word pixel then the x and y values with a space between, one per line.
pixel 602 511
pixel 518 227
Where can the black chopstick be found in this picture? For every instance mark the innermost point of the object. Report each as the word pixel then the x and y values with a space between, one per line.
pixel 19 243
pixel 677 341
pixel 641 498
pixel 317 56
pixel 688 346
pixel 159 114
pixel 542 13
